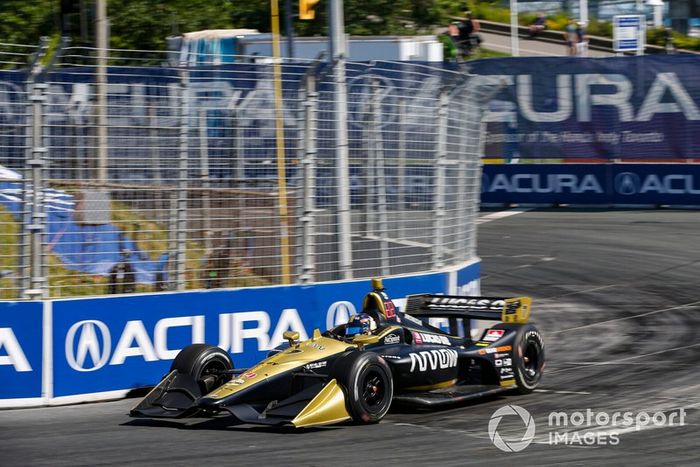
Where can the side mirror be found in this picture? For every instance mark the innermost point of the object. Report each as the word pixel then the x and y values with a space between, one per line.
pixel 291 336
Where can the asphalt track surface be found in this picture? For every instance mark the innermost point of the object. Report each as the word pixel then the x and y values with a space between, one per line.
pixel 617 298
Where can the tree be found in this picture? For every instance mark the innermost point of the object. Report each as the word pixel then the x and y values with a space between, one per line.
pixel 145 24
pixel 23 22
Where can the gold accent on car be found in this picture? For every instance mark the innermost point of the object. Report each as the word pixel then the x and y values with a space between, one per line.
pixel 508 382
pixel 326 408
pixel 296 356
pixel 374 300
pixel 517 310
pixel 291 336
pixel 289 359
pixel 360 340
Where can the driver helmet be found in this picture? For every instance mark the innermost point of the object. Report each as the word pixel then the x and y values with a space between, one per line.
pixel 361 323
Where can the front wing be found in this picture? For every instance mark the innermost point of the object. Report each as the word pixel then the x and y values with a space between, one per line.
pixel 178 396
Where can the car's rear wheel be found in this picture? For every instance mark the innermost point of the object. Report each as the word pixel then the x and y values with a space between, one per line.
pixel 206 364
pixel 528 358
pixel 366 380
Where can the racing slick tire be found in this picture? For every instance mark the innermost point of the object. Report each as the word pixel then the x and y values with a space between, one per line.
pixel 528 356
pixel 205 364
pixel 368 385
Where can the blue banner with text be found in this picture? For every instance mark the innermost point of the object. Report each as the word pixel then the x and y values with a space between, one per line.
pixel 20 349
pixel 631 108
pixel 607 184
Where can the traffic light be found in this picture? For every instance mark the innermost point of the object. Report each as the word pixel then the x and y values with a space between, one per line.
pixel 306 9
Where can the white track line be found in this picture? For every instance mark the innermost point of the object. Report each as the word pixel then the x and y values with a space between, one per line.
pixel 620 360
pixel 564 392
pixel 685 305
pixel 494 216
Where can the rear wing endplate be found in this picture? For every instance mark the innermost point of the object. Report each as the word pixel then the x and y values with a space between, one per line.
pixel 508 310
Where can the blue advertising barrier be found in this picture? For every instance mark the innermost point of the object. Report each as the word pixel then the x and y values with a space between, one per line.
pixel 74 350
pixel 604 184
pixel 21 350
pixel 637 108
pixel 670 184
pixel 544 183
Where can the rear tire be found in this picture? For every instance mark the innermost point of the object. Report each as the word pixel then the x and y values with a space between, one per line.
pixel 528 356
pixel 204 363
pixel 368 385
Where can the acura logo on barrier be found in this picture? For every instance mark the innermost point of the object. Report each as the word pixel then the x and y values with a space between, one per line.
pixel 339 313
pixel 88 342
pixel 627 183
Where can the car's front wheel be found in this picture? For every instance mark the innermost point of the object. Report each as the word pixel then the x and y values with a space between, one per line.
pixel 206 364
pixel 366 379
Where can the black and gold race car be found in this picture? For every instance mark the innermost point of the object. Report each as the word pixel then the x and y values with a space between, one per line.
pixel 354 371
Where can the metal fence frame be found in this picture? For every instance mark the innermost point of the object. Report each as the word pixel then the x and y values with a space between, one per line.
pixel 412 132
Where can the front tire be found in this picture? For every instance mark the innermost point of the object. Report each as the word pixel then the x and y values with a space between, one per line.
pixel 368 385
pixel 205 364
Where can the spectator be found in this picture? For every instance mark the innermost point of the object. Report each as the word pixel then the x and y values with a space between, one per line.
pixel 468 38
pixel 161 273
pixel 537 26
pixel 581 40
pixel 570 37
pixel 668 41
pixel 217 262
pixel 122 278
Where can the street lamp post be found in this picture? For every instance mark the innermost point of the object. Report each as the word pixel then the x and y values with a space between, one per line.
pixel 514 48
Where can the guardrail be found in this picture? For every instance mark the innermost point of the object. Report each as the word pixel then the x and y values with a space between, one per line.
pixel 604 44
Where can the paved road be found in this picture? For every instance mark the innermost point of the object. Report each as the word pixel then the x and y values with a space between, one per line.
pixel 616 296
pixel 529 48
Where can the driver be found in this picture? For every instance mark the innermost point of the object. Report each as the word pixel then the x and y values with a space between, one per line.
pixel 361 323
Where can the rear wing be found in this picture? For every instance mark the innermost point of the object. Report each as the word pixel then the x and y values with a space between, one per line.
pixel 508 310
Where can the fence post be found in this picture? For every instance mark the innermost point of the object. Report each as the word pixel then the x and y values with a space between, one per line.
pixel 33 256
pixel 379 178
pixel 182 185
pixel 36 226
pixel 401 171
pixel 367 223
pixel 205 179
pixel 440 181
pixel 343 171
pixel 465 221
pixel 309 168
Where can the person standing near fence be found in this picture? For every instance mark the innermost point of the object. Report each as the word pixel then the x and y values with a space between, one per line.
pixel 537 26
pixel 570 37
pixel 581 40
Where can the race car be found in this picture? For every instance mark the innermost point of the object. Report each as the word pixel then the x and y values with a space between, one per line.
pixel 354 371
